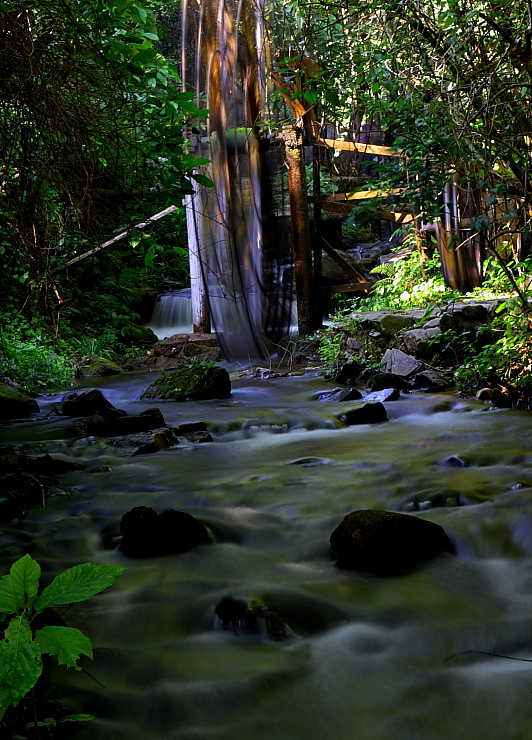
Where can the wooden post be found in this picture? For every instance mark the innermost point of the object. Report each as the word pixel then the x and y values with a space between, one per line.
pixel 198 288
pixel 317 314
pixel 301 243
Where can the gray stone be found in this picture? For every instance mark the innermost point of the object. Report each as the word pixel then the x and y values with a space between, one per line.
pixel 338 394
pixel 421 341
pixel 398 362
pixel 391 323
pixel 387 394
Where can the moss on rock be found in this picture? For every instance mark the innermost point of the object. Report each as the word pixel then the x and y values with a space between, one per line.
pixel 198 381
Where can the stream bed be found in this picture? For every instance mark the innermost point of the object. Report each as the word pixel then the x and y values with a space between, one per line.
pixel 370 658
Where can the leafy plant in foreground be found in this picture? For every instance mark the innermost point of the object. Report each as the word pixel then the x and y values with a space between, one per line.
pixel 22 647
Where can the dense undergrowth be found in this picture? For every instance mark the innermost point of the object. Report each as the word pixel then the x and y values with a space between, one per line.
pixel 496 355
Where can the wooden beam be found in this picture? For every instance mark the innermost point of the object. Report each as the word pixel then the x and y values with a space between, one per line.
pixel 341 262
pixel 362 195
pixel 350 287
pixel 399 217
pixel 355 146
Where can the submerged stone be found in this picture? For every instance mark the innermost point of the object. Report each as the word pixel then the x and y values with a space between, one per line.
pixel 200 381
pixel 15 403
pixel 145 533
pixel 250 619
pixel 386 543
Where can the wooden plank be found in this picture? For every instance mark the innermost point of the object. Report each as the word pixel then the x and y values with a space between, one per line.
pixel 355 146
pixel 341 262
pixel 350 287
pixel 362 195
pixel 399 217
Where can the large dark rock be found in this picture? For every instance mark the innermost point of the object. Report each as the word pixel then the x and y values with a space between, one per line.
pixel 145 533
pixel 15 403
pixel 85 403
pixel 386 543
pixel 363 413
pixel 383 381
pixel 431 381
pixel 349 372
pixel 109 423
pixel 200 381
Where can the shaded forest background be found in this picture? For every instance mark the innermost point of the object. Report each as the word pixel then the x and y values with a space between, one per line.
pixel 94 123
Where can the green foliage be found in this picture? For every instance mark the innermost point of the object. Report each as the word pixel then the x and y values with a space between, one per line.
pixel 407 283
pixel 32 363
pixel 22 646
pixel 118 124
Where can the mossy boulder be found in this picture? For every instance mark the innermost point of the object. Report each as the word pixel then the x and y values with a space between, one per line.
pixel 101 366
pixel 386 543
pixel 15 403
pixel 200 381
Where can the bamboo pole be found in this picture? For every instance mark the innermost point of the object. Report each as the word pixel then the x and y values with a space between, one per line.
pixel 115 239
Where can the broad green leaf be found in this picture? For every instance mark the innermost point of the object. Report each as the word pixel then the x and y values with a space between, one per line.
pixel 10 600
pixel 20 663
pixel 76 718
pixel 203 180
pixel 25 574
pixel 67 643
pixel 77 583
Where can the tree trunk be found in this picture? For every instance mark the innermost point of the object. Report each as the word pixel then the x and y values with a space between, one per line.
pixel 301 242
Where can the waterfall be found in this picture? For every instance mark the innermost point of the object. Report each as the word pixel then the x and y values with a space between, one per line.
pixel 172 314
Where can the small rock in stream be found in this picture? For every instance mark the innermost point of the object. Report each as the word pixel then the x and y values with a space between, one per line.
pixel 363 413
pixel 453 461
pixel 255 619
pixel 338 394
pixel 387 394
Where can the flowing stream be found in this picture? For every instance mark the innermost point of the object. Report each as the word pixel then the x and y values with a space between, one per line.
pixel 371 658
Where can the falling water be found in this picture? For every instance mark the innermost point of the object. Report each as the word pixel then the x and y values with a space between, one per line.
pixel 172 314
pixel 229 231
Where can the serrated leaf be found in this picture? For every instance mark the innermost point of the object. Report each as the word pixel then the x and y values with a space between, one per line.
pixel 67 643
pixel 77 583
pixel 25 574
pixel 20 663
